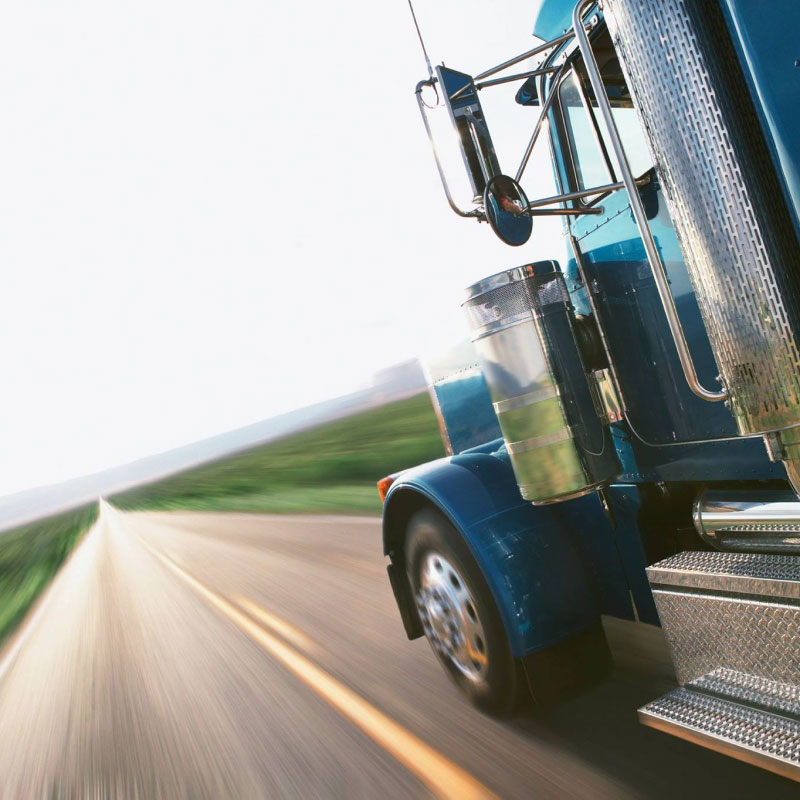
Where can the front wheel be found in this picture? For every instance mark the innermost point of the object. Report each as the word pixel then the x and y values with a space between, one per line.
pixel 459 615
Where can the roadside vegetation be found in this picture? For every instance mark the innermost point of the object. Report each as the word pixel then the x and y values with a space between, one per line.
pixel 330 468
pixel 30 556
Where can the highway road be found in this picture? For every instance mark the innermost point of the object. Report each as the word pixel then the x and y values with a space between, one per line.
pixel 245 656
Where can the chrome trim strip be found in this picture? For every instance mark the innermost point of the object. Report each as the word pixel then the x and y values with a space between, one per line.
pixel 539 441
pixel 653 258
pixel 529 399
pixel 591 489
pixel 566 212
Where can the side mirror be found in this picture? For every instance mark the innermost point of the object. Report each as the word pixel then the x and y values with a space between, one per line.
pixel 506 208
pixel 461 98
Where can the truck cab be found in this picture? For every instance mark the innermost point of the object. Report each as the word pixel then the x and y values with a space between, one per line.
pixel 623 432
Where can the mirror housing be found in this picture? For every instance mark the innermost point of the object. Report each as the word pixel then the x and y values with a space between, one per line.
pixel 506 209
pixel 461 98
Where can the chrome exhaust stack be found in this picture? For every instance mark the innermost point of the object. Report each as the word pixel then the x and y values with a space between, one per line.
pixel 726 202
pixel 749 521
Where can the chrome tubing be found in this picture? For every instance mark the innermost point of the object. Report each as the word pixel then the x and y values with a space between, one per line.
pixel 536 50
pixel 535 135
pixel 749 521
pixel 461 213
pixel 561 198
pixel 653 259
pixel 566 212
pixel 535 73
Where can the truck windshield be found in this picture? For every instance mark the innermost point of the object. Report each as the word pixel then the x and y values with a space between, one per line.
pixel 592 157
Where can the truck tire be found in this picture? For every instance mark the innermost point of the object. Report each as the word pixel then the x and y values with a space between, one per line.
pixel 459 614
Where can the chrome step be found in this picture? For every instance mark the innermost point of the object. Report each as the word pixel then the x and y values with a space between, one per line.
pixel 732 622
pixel 749 734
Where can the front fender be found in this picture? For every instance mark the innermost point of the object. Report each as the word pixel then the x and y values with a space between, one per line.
pixel 537 574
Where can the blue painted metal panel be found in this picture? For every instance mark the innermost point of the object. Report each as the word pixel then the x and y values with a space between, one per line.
pixel 552 18
pixel 767 40
pixel 661 406
pixel 625 502
pixel 547 583
pixel 601 557
pixel 466 410
pixel 461 398
pixel 728 460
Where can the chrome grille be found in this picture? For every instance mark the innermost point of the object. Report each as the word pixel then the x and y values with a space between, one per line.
pixel 515 301
pixel 498 305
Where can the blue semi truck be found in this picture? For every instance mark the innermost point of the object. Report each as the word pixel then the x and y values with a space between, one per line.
pixel 623 435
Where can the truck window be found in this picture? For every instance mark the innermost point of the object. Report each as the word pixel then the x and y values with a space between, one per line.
pixel 591 168
pixel 593 159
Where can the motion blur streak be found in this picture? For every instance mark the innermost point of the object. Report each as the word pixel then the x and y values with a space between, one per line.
pixel 444 777
pixel 135 682
pixel 278 625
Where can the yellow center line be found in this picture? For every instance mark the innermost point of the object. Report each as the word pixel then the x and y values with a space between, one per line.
pixel 280 626
pixel 444 777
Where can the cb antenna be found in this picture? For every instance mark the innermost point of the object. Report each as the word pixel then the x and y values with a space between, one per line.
pixel 424 51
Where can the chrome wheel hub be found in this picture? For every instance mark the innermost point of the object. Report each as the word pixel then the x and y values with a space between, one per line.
pixel 449 617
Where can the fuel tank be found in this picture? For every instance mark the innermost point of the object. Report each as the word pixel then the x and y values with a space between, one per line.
pixel 523 327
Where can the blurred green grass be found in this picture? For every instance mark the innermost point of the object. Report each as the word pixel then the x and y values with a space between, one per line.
pixel 330 468
pixel 30 556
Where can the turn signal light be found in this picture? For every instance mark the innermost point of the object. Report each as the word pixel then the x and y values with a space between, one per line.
pixel 383 486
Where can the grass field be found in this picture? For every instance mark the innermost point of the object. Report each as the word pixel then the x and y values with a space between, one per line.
pixel 330 468
pixel 31 555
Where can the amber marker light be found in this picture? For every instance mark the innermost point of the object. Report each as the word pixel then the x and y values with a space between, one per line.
pixel 383 486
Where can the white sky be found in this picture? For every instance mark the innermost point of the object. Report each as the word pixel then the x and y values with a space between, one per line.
pixel 214 212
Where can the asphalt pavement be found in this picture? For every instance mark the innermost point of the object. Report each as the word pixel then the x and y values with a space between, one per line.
pixel 205 655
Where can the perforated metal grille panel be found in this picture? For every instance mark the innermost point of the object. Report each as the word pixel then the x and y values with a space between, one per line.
pixel 498 305
pixel 723 196
pixel 515 301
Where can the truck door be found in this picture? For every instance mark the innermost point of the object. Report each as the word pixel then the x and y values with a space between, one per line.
pixel 661 407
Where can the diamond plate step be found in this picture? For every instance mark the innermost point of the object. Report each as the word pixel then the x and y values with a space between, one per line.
pixel 732 622
pixel 758 737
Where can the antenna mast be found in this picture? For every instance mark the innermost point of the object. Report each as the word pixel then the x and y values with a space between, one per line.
pixel 419 34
